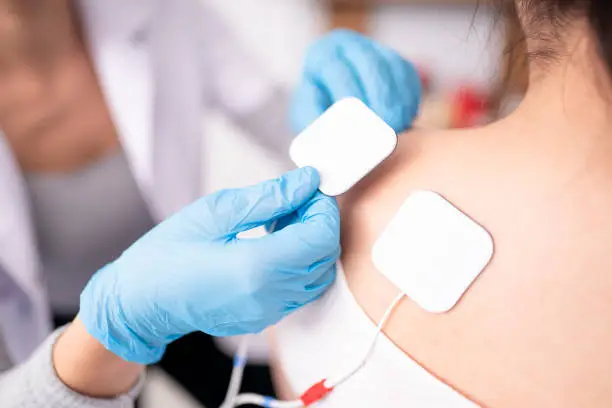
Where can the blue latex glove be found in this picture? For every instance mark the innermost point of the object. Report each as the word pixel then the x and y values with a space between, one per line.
pixel 191 272
pixel 344 64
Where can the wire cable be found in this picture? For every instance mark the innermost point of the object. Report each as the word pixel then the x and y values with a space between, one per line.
pixel 368 354
pixel 266 402
pixel 315 393
pixel 240 361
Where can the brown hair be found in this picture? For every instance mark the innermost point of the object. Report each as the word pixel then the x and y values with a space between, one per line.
pixel 557 14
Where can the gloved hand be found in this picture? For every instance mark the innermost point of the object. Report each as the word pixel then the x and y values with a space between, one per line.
pixel 191 272
pixel 344 64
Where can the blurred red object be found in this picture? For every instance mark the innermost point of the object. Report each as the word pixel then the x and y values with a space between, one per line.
pixel 469 107
pixel 425 77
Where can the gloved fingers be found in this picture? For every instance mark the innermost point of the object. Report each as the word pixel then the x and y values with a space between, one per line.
pixel 380 73
pixel 317 287
pixel 408 83
pixel 346 64
pixel 318 271
pixel 306 277
pixel 282 222
pixel 313 236
pixel 229 212
pixel 337 78
pixel 308 103
pixel 312 292
pixel 314 280
pixel 328 73
pixel 374 75
pixel 358 70
pixel 326 277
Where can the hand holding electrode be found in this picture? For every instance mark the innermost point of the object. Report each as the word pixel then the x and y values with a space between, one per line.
pixel 346 64
pixel 192 273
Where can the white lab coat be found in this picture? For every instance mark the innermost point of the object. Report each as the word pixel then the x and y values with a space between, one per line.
pixel 162 64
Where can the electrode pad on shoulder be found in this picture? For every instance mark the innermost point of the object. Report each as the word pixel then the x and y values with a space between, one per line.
pixel 344 144
pixel 432 251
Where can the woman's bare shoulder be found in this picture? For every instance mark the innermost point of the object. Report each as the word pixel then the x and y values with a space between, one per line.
pixel 533 329
pixel 423 159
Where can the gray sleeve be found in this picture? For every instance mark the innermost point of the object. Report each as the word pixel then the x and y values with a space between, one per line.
pixel 34 384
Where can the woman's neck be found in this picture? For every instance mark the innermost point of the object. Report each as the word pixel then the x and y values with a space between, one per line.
pixel 38 38
pixel 34 33
pixel 567 109
pixel 571 94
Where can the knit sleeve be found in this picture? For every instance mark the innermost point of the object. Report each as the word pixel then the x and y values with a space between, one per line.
pixel 35 384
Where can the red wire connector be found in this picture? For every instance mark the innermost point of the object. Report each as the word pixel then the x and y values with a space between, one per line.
pixel 315 393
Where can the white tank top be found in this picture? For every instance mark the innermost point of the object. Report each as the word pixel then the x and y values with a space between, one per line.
pixel 328 337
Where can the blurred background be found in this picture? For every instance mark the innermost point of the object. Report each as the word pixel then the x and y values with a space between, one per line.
pixel 470 65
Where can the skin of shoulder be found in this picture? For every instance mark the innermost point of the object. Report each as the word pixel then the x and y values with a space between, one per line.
pixel 534 329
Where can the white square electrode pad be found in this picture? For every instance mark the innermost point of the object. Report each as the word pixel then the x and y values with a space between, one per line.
pixel 432 251
pixel 344 144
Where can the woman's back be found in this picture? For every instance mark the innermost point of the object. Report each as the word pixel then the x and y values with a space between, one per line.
pixel 534 329
pixel 540 316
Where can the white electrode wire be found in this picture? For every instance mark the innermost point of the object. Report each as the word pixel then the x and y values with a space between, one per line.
pixel 259 400
pixel 240 360
pixel 381 325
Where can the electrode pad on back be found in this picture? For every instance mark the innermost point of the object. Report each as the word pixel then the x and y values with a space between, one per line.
pixel 344 144
pixel 432 251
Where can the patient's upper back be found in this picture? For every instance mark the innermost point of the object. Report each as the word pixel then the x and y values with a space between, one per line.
pixel 537 324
